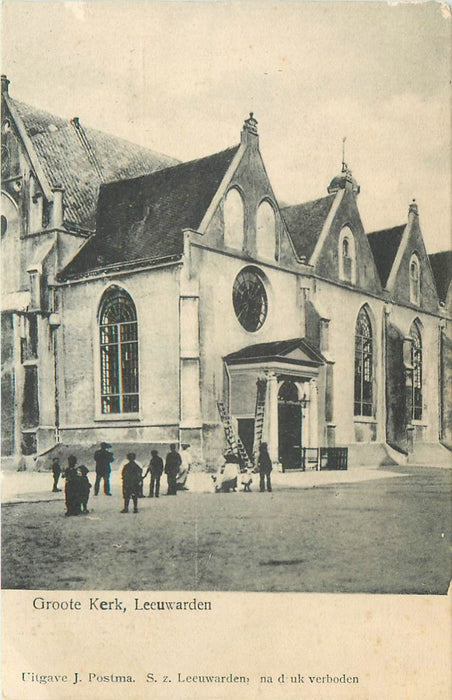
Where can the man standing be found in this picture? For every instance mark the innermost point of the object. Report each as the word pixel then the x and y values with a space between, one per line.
pixel 72 488
pixel 172 464
pixel 132 478
pixel 265 468
pixel 155 469
pixel 103 459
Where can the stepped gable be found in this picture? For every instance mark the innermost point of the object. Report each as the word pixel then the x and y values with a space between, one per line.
pixel 79 158
pixel 305 223
pixel 144 218
pixel 384 245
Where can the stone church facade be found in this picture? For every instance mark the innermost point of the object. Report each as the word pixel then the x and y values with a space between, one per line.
pixel 149 301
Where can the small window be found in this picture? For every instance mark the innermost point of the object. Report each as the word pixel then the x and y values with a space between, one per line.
pixel 118 330
pixel 4 225
pixel 415 280
pixel 347 260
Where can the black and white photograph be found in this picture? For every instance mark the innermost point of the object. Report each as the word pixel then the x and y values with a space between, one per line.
pixel 226 350
pixel 226 299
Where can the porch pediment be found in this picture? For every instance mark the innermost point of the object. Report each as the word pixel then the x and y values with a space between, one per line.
pixel 297 351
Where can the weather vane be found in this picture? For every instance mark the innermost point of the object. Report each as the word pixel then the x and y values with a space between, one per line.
pixel 344 164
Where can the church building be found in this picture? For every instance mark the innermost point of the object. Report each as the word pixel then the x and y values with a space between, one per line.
pixel 149 301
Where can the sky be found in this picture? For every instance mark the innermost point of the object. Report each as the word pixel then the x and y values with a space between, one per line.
pixel 180 78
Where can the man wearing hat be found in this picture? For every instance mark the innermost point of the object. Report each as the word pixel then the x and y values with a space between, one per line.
pixel 132 479
pixel 103 459
pixel 172 465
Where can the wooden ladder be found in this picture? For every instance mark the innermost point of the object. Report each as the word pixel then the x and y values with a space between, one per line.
pixel 235 444
pixel 259 417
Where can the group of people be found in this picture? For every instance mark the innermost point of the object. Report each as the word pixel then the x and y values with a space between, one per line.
pixel 230 473
pixel 78 486
pixel 176 467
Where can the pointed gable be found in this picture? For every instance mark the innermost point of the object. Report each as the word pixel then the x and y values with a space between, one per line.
pixel 339 215
pixel 144 218
pixel 412 248
pixel 293 351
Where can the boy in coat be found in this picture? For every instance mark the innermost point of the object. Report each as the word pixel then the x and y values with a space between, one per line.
pixel 132 479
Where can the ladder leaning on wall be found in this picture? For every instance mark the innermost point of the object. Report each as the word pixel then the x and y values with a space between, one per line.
pixel 233 440
pixel 259 416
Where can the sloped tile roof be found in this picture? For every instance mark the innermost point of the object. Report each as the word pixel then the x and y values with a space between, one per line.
pixel 384 246
pixel 273 350
pixel 144 218
pixel 305 223
pixel 67 162
pixel 442 271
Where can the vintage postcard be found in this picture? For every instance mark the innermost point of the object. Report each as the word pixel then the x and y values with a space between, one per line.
pixel 226 350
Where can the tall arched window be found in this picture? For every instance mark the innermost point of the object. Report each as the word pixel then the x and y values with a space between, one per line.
pixel 416 361
pixel 233 220
pixel 363 365
pixel 266 231
pixel 415 280
pixel 347 257
pixel 118 331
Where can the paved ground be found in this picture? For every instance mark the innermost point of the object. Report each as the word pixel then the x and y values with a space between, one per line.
pixel 357 531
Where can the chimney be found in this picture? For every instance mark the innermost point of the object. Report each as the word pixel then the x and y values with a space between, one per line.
pixel 5 83
pixel 57 208
pixel 413 209
pixel 249 134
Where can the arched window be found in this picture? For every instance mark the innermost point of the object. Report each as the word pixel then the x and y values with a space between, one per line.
pixel 266 231
pixel 233 220
pixel 415 280
pixel 118 331
pixel 347 258
pixel 363 365
pixel 416 361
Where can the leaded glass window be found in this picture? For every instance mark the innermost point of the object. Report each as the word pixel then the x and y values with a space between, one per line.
pixel 416 361
pixel 363 365
pixel 119 354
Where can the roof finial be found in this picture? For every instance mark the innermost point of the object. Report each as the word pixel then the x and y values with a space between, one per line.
pixel 249 131
pixel 413 208
pixel 344 164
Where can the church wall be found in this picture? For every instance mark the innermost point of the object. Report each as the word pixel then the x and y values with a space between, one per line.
pixel 156 297
pixel 341 306
pixel 402 430
pixel 221 333
pixel 8 384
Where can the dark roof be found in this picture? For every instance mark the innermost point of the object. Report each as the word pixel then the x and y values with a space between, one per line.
pixel 144 218
pixel 442 271
pixel 66 161
pixel 274 350
pixel 384 246
pixel 305 223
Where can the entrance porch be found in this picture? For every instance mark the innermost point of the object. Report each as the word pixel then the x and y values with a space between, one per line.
pixel 274 398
